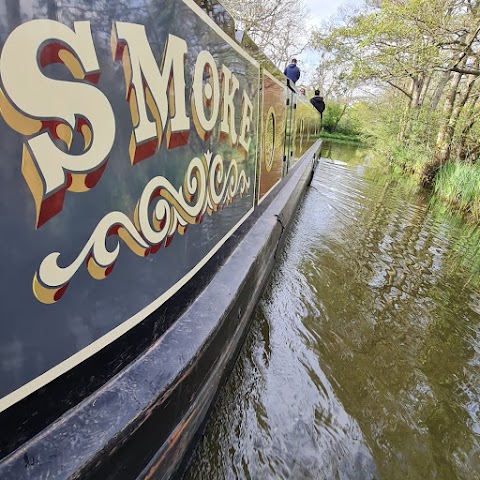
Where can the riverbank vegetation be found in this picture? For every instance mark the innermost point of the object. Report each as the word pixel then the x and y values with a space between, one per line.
pixel 338 123
pixel 416 64
pixel 401 75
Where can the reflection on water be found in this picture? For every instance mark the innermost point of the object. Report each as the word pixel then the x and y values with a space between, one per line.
pixel 364 355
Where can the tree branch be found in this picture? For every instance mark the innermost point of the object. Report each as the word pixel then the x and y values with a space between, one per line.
pixel 466 70
pixel 399 88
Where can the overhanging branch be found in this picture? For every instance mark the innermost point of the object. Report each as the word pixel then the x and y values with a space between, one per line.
pixel 400 88
pixel 466 70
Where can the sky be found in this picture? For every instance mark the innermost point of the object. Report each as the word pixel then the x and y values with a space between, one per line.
pixel 320 10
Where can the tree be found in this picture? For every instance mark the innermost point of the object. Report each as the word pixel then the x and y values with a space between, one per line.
pixel 428 50
pixel 278 27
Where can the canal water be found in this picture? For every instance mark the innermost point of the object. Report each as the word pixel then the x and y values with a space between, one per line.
pixel 363 360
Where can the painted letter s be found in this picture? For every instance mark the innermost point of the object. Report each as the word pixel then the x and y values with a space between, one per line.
pixel 46 109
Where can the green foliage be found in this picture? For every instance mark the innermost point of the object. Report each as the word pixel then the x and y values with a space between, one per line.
pixel 338 118
pixel 391 39
pixel 422 59
pixel 458 186
pixel 343 137
pixel 332 115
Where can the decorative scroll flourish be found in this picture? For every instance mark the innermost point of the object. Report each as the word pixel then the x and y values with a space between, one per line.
pixel 270 139
pixel 160 213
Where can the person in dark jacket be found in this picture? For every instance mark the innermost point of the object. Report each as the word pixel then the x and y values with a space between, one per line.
pixel 292 71
pixel 318 103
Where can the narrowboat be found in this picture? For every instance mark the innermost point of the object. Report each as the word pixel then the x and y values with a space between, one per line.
pixel 152 159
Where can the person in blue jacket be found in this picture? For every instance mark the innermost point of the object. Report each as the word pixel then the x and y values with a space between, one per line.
pixel 292 71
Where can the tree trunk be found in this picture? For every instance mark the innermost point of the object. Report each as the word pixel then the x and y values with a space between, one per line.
pixel 423 93
pixel 445 134
pixel 461 153
pixel 339 118
pixel 462 100
pixel 451 113
pixel 440 88
pixel 407 115
pixel 419 87
pixel 416 89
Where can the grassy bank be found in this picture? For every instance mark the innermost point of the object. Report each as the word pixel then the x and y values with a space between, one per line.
pixel 343 138
pixel 458 186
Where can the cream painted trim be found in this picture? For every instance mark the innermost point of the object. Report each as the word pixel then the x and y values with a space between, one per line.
pixel 258 160
pixel 127 325
pixel 114 334
pixel 260 140
pixel 203 16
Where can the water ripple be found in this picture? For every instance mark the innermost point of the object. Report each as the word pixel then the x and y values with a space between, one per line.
pixel 364 357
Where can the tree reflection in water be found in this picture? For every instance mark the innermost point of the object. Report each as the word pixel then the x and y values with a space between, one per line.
pixel 363 359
